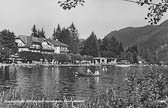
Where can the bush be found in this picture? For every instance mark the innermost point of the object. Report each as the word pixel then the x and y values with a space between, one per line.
pixel 75 57
pixel 30 56
pixel 88 58
pixel 61 58
pixel 49 57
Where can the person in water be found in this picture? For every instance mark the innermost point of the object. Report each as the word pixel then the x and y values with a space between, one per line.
pixel 97 73
pixel 89 72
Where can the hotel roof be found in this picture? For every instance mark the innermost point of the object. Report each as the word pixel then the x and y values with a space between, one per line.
pixel 29 40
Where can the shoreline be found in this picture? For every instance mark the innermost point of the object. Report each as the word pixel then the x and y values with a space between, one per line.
pixel 69 65
pixel 47 65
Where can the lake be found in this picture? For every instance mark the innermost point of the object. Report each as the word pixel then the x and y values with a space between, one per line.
pixel 61 81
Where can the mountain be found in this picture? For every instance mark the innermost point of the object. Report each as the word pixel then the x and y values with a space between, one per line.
pixel 164 24
pixel 157 39
pixel 147 37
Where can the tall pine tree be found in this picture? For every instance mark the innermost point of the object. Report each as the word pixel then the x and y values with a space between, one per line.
pixel 57 33
pixel 68 36
pixel 74 35
pixel 91 46
pixel 34 31
pixel 54 35
pixel 41 33
pixel 111 46
pixel 65 36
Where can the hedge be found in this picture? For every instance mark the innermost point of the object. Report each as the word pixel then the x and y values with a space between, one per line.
pixel 36 56
pixel 30 56
pixel 76 57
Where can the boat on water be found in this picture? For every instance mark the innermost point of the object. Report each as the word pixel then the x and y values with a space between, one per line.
pixel 79 74
pixel 123 63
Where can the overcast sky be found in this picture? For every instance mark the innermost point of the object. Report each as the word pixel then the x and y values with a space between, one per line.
pixel 100 16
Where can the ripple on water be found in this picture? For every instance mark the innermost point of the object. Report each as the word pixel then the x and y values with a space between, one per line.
pixel 61 81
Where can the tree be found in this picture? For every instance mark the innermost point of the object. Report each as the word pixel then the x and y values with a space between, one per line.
pixel 149 55
pixel 68 36
pixel 88 58
pixel 30 56
pixel 61 58
pixel 132 54
pixel 121 49
pixel 68 4
pixel 8 40
pixel 34 31
pixel 56 33
pixel 65 36
pixel 41 33
pixel 76 57
pixel 111 46
pixel 74 45
pixel 91 46
pixel 107 54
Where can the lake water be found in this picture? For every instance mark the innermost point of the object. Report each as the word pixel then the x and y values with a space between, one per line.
pixel 60 80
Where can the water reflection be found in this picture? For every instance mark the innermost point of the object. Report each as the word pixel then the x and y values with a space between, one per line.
pixel 4 75
pixel 60 80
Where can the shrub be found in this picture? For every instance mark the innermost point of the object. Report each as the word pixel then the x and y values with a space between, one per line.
pixel 88 58
pixel 49 57
pixel 30 56
pixel 75 57
pixel 61 57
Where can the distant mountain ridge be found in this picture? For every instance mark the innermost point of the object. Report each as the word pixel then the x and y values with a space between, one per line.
pixel 148 36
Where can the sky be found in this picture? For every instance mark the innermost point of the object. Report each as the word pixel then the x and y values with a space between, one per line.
pixel 98 16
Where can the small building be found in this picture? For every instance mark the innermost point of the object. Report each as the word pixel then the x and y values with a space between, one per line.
pixel 58 46
pixel 41 45
pixel 103 60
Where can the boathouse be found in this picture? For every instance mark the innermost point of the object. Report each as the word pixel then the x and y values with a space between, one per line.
pixel 103 60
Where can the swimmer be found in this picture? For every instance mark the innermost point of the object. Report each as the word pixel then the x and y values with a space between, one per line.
pixel 89 72
pixel 97 73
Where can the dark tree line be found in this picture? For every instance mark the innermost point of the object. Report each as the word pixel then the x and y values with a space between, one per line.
pixel 38 33
pixel 69 36
pixel 107 47
pixel 110 47
pixel 132 54
pixel 91 46
pixel 151 55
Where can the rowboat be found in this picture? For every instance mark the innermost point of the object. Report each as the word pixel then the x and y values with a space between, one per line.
pixel 79 74
pixel 122 65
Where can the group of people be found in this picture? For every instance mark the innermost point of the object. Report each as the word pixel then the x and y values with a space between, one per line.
pixel 89 72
